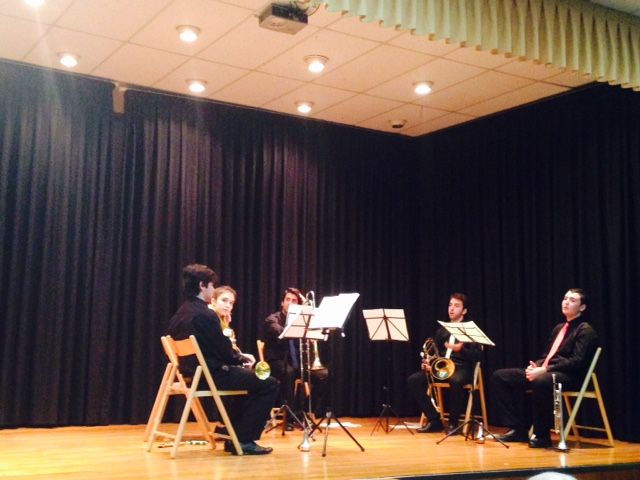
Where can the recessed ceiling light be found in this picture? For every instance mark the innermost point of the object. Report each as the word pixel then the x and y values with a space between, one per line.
pixel 34 3
pixel 422 88
pixel 188 33
pixel 304 107
pixel 316 63
pixel 69 60
pixel 197 86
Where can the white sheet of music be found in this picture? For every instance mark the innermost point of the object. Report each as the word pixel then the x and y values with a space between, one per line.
pixel 333 311
pixel 467 332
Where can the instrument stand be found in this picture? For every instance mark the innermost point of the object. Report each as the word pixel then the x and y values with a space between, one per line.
pixel 387 325
pixel 471 423
pixel 288 413
pixel 330 416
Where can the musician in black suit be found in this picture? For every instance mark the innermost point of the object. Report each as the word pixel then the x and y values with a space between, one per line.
pixel 283 356
pixel 571 347
pixel 463 355
pixel 194 317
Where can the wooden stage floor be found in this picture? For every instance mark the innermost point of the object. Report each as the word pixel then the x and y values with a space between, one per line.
pixel 118 452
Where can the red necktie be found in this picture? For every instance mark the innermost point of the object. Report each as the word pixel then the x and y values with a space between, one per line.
pixel 556 344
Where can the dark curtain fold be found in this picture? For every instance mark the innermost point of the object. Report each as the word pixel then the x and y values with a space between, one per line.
pixel 100 212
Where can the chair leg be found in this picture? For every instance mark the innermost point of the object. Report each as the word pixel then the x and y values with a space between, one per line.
pixel 468 412
pixel 571 423
pixel 483 402
pixel 156 403
pixel 227 422
pixel 603 411
pixel 158 416
pixel 203 422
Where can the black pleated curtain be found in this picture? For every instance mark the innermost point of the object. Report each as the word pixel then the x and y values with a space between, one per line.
pixel 100 212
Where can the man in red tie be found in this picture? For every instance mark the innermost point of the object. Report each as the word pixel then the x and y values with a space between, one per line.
pixel 570 349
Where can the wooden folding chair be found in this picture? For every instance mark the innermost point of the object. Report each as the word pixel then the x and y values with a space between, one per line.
pixel 580 395
pixel 181 386
pixel 173 383
pixel 477 385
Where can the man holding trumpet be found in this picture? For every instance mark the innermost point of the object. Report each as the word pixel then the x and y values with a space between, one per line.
pixel 570 349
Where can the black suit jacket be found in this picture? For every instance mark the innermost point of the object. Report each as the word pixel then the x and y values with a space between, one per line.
pixel 274 348
pixel 576 351
pixel 194 317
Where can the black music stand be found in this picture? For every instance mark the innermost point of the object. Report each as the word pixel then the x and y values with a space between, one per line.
pixel 469 332
pixel 387 325
pixel 330 317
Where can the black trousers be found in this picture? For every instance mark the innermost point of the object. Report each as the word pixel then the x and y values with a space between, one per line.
pixel 417 386
pixel 508 388
pixel 248 413
pixel 286 375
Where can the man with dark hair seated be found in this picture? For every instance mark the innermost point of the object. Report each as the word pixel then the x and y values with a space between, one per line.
pixel 194 317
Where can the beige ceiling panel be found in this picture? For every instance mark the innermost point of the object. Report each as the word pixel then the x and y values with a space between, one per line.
pixel 369 30
pixel 339 48
pixel 478 58
pixel 522 96
pixel 478 89
pixel 423 44
pixel 216 75
pixel 441 72
pixel 529 69
pixel 357 109
pixel 322 97
pixel 18 36
pixel 249 46
pixel 570 79
pixel 256 89
pixel 119 19
pixel 251 4
pixel 91 50
pixel 214 19
pixel 323 17
pixel 373 68
pixel 139 65
pixel 438 124
pixel 412 114
pixel 46 13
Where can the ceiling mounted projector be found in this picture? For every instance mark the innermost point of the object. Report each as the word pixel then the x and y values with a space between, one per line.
pixel 283 18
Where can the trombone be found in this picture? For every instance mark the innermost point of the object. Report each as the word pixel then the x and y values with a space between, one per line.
pixel 442 368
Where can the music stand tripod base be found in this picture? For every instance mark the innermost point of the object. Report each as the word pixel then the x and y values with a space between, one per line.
pixel 471 423
pixel 330 416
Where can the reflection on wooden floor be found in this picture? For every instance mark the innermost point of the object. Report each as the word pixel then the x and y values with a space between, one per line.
pixel 119 452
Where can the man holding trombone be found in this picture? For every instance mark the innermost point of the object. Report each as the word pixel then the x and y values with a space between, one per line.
pixel 570 349
pixel 457 370
pixel 283 355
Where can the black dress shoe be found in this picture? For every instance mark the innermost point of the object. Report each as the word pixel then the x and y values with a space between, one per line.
pixel 513 435
pixel 536 442
pixel 248 448
pixel 431 426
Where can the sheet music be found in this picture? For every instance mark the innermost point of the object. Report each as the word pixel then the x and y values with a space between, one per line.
pixel 375 319
pixel 333 311
pixel 467 332
pixel 298 317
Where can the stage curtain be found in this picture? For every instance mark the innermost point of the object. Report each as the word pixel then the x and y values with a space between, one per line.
pixel 101 212
pixel 573 34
